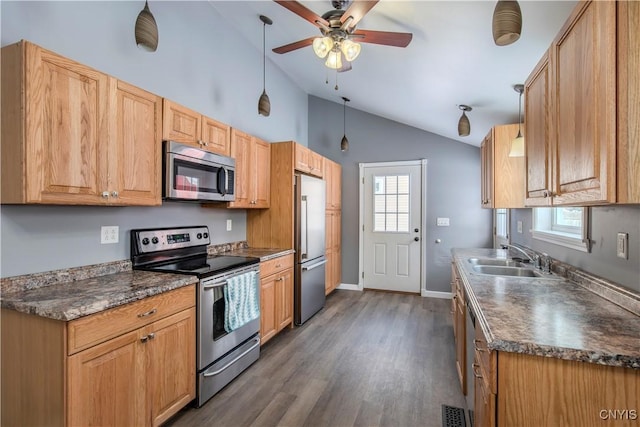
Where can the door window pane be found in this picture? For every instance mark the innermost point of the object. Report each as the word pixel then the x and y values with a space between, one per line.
pixel 391 203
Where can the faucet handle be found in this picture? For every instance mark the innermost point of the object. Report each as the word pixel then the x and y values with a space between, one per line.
pixel 537 261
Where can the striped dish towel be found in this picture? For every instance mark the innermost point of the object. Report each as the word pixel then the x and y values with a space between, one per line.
pixel 241 300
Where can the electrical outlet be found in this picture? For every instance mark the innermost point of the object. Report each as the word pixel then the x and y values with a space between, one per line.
pixel 520 227
pixel 442 222
pixel 229 225
pixel 623 245
pixel 109 234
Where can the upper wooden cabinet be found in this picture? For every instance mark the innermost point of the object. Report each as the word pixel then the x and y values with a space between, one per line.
pixel 308 161
pixel 253 171
pixel 576 123
pixel 502 177
pixel 73 135
pixel 333 177
pixel 184 125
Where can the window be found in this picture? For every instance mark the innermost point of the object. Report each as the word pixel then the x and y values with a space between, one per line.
pixel 566 226
pixel 391 203
pixel 501 227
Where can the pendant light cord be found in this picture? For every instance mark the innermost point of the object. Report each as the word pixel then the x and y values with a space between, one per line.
pixel 264 58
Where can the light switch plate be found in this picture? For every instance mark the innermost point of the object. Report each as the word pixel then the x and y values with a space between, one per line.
pixel 229 225
pixel 623 245
pixel 520 227
pixel 442 222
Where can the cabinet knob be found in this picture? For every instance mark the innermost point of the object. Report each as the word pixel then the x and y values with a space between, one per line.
pixel 114 194
pixel 105 194
pixel 475 373
pixel 200 142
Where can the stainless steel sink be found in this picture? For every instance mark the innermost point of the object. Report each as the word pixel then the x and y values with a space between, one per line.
pixel 496 270
pixel 495 262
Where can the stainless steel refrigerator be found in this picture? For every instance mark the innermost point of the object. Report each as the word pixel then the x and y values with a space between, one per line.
pixel 310 247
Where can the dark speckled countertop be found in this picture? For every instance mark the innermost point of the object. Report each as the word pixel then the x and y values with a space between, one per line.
pixel 552 317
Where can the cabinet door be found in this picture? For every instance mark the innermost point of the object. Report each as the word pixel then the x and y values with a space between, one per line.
pixel 486 179
pixel 180 124
pixel 484 405
pixel 536 136
pixel 135 152
pixel 170 348
pixel 106 384
pixel 284 299
pixel 302 158
pixel 268 327
pixel 336 186
pixel 216 136
pixel 261 173
pixel 66 130
pixel 461 342
pixel 316 164
pixel 240 150
pixel 583 62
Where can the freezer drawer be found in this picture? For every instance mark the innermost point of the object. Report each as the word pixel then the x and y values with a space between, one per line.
pixel 309 289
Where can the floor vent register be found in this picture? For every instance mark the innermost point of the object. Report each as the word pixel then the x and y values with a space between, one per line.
pixel 452 416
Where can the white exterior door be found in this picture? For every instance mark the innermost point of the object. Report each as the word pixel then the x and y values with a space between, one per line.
pixel 392 226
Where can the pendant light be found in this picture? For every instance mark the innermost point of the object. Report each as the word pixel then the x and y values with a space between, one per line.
pixel 146 30
pixel 507 22
pixel 264 105
pixel 517 145
pixel 344 143
pixel 464 127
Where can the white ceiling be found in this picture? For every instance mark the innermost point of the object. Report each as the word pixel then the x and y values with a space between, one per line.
pixel 451 60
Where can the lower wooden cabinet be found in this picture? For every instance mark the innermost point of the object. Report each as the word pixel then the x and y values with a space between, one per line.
pixel 276 296
pixel 133 365
pixel 458 308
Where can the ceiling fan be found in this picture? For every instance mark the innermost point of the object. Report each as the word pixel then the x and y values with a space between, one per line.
pixel 339 40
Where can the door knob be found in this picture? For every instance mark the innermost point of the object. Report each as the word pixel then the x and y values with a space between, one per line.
pixel 416 239
pixel 416 230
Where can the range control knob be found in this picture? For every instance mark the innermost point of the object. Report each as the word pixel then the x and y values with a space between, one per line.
pixel 199 235
pixel 145 241
pixel 154 240
pixel 205 235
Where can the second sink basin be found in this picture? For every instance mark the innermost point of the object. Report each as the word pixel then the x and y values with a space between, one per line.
pixel 497 270
pixel 495 262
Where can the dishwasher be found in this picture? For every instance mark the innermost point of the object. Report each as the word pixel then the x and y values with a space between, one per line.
pixel 470 352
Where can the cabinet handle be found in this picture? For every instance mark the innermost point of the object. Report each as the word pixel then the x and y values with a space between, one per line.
pixel 105 194
pixel 200 143
pixel 148 313
pixel 278 265
pixel 476 342
pixel 280 279
pixel 114 194
pixel 144 339
pixel 475 373
pixel 152 335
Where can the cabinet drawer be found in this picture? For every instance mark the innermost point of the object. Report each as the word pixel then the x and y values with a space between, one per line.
pixel 276 265
pixel 88 331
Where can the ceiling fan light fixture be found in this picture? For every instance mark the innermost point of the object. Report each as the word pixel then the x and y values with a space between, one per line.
pixel 350 49
pixel 464 126
pixel 507 22
pixel 146 30
pixel 322 46
pixel 334 59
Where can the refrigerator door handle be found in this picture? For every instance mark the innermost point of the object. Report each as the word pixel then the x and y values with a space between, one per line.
pixel 304 229
pixel 311 267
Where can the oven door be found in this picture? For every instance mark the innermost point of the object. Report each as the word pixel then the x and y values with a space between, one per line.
pixel 213 340
pixel 189 178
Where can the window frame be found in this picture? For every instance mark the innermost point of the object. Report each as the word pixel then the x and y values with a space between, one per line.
pixel 573 237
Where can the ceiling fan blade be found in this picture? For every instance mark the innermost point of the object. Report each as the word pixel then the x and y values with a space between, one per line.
pixel 382 37
pixel 303 12
pixel 295 45
pixel 356 11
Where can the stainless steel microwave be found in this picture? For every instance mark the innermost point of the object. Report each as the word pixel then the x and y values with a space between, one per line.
pixel 192 174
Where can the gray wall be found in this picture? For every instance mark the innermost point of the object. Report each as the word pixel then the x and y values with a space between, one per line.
pixel 201 62
pixel 453 182
pixel 606 222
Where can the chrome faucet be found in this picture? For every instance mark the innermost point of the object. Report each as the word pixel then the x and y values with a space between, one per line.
pixel 507 246
pixel 546 263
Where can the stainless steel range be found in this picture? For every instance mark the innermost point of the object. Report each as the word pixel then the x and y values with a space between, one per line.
pixel 228 300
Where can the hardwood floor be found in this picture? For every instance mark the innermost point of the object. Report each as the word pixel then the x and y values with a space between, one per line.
pixel 367 359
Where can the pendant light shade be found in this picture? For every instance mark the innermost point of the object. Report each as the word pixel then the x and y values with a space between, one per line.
pixel 464 126
pixel 146 30
pixel 264 104
pixel 517 145
pixel 507 22
pixel 344 143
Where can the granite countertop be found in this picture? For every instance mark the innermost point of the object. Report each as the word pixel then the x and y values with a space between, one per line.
pixel 68 300
pixel 548 316
pixel 265 254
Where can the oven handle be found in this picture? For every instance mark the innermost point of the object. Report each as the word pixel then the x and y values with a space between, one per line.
pixel 244 353
pixel 215 285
